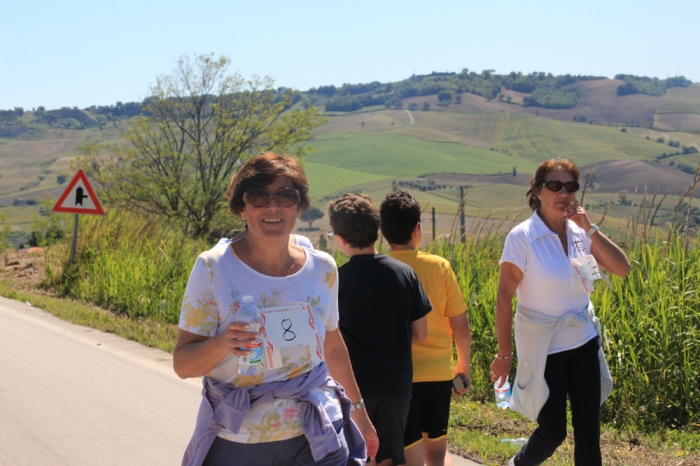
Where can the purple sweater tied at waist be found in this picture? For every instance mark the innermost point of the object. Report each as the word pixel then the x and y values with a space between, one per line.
pixel 224 406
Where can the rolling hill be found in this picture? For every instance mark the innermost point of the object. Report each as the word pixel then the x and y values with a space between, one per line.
pixel 473 141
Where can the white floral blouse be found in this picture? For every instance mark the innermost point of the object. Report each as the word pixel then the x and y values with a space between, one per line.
pixel 213 296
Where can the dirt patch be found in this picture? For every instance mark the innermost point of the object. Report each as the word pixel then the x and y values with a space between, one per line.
pixel 615 175
pixel 23 269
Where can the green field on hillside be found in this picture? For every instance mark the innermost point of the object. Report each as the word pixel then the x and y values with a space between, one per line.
pixel 477 129
pixel 539 139
pixel 690 159
pixel 681 100
pixel 20 218
pixel 324 179
pixel 522 141
pixel 398 155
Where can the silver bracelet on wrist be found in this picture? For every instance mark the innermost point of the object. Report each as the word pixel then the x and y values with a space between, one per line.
pixel 357 406
pixel 592 230
pixel 504 357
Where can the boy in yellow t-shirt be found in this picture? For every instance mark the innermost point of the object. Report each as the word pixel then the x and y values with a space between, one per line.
pixel 425 437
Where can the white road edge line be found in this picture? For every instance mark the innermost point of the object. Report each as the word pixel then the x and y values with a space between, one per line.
pixel 197 382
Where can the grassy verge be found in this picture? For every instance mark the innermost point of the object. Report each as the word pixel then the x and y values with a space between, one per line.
pixel 476 431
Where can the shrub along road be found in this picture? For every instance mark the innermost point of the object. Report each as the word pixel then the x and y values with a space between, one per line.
pixel 74 395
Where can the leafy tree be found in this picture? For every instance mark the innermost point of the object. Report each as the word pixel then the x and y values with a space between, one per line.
pixel 311 215
pixel 413 106
pixel 49 227
pixel 650 86
pixel 445 96
pixel 199 124
pixel 426 106
pixel 61 178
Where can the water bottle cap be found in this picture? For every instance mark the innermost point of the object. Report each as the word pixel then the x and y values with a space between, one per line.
pixel 247 299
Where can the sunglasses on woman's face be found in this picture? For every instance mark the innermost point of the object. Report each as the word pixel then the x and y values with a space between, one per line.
pixel 286 197
pixel 556 185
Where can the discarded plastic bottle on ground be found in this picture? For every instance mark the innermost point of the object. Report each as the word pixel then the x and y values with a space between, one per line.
pixel 514 441
pixel 250 364
pixel 502 394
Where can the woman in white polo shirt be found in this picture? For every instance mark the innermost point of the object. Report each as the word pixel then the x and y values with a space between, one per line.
pixel 555 328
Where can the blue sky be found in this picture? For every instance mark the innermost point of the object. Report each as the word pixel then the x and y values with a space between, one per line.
pixel 80 53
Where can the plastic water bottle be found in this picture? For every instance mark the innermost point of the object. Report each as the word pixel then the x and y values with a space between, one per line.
pixel 503 394
pixel 250 364
pixel 514 441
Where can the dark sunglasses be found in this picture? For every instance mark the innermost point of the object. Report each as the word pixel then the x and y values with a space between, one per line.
pixel 286 197
pixel 556 185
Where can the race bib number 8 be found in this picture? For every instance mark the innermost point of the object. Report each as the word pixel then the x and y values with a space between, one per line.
pixel 588 271
pixel 288 327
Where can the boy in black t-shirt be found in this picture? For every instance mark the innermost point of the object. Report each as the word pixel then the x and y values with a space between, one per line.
pixel 382 310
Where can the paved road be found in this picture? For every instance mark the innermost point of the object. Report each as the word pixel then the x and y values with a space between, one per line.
pixel 71 395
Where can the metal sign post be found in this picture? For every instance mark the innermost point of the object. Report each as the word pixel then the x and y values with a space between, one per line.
pixel 75 239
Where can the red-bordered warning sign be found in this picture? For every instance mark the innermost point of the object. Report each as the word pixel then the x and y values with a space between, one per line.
pixel 79 198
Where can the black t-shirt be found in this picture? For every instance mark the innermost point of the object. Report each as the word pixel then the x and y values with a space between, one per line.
pixel 378 298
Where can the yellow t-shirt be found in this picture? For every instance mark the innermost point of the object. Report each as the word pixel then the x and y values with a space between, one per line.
pixel 432 358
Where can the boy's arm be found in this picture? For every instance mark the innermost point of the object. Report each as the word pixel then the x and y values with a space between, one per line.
pixel 419 330
pixel 462 334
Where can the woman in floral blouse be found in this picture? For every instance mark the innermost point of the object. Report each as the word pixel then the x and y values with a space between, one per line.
pixel 292 413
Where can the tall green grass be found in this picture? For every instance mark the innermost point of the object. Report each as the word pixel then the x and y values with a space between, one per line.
pixel 133 265
pixel 139 267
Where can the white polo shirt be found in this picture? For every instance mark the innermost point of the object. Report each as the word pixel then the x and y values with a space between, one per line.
pixel 549 284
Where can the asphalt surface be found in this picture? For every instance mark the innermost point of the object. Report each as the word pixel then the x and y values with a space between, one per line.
pixel 72 395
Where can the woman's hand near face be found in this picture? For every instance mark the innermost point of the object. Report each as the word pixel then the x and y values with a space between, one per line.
pixel 578 215
pixel 607 254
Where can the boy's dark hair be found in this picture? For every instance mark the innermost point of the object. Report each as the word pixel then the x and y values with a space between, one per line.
pixel 356 219
pixel 399 213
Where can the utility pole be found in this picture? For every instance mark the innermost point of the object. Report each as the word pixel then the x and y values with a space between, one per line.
pixel 462 230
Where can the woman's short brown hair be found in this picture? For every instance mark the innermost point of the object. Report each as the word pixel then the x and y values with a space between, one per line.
pixel 541 173
pixel 262 170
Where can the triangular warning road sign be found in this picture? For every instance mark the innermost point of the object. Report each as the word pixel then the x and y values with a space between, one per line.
pixel 79 198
